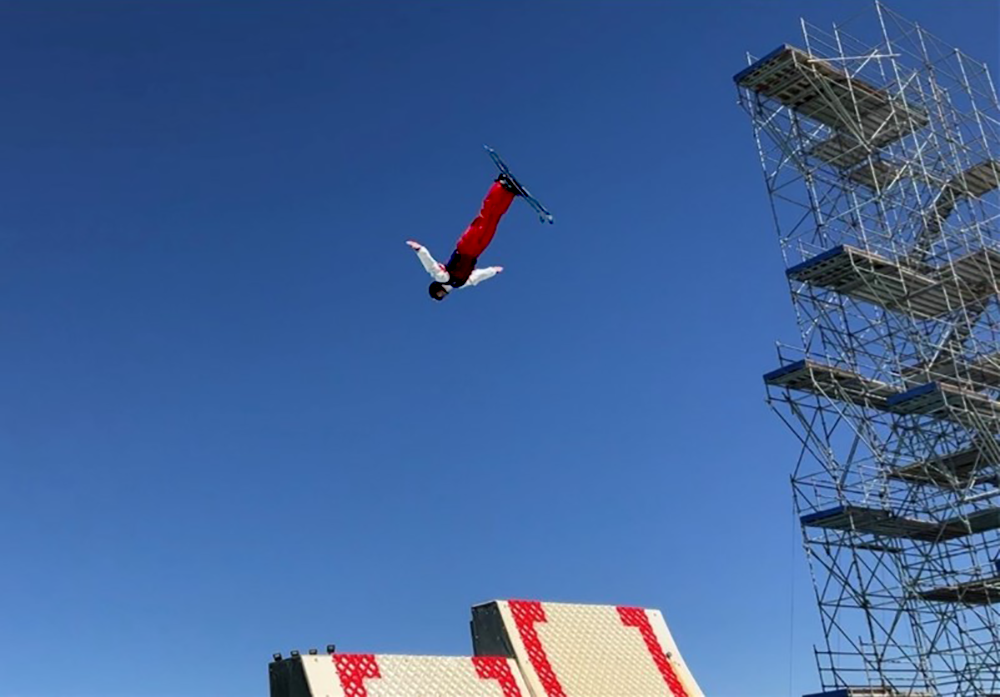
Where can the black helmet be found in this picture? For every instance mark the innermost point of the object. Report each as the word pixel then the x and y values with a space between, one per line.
pixel 438 290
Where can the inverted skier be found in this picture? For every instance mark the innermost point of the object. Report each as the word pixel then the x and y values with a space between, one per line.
pixel 461 271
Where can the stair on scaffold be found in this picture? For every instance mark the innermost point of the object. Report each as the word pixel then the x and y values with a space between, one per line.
pixel 958 470
pixel 947 402
pixel 975 372
pixel 985 591
pixel 835 383
pixel 972 183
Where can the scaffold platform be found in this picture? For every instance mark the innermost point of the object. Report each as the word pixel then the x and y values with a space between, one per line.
pixel 878 521
pixel 894 286
pixel 886 523
pixel 816 89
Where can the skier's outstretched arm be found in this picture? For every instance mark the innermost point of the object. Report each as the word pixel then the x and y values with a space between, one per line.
pixel 430 264
pixel 480 275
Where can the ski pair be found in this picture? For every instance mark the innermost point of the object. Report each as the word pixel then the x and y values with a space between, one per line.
pixel 543 213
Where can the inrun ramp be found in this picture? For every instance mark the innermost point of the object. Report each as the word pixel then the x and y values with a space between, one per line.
pixel 565 649
pixel 523 648
pixel 372 675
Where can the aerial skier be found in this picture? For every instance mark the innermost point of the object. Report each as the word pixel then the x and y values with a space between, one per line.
pixel 461 271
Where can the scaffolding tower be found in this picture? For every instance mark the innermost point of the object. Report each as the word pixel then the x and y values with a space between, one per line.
pixel 880 149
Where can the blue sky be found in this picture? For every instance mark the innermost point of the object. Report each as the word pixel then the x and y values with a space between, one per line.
pixel 231 420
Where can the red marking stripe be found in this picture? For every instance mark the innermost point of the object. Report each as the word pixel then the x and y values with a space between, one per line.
pixel 497 668
pixel 526 614
pixel 354 669
pixel 636 617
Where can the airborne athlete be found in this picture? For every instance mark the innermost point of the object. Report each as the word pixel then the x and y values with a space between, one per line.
pixel 461 271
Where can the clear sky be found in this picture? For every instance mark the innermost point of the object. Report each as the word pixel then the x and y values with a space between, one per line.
pixel 231 420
